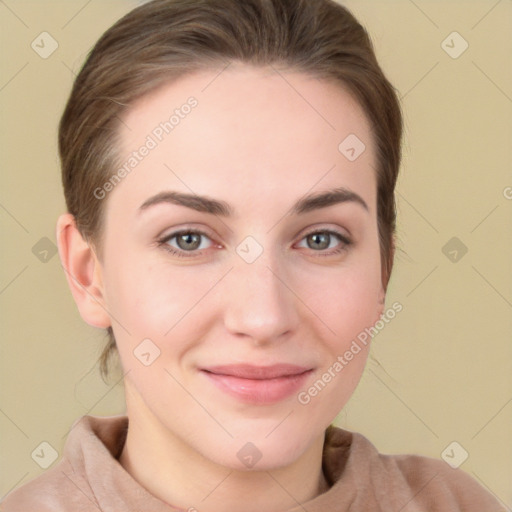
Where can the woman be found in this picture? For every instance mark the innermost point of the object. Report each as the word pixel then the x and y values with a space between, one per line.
pixel 235 238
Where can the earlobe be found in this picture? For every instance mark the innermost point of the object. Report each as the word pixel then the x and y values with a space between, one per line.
pixel 83 272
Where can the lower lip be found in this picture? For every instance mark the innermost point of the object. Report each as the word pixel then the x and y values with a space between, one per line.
pixel 259 391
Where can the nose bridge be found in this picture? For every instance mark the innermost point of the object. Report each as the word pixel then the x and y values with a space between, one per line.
pixel 258 303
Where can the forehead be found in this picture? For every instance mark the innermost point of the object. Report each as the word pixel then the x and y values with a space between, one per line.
pixel 256 130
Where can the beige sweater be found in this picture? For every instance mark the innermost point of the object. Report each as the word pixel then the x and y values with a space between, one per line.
pixel 89 478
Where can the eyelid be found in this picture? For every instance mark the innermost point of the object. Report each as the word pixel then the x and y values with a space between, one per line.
pixel 170 233
pixel 322 228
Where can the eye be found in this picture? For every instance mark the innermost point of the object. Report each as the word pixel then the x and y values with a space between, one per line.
pixel 322 240
pixel 190 243
pixel 186 241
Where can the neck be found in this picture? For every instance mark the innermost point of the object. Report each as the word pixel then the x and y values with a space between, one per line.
pixel 171 470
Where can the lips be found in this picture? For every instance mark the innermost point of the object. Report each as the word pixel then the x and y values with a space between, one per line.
pixel 258 384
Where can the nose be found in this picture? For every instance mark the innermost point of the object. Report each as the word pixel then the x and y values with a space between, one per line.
pixel 259 303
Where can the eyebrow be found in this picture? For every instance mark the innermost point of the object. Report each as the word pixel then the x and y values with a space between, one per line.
pixel 216 207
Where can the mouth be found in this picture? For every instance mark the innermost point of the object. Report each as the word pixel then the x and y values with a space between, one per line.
pixel 258 384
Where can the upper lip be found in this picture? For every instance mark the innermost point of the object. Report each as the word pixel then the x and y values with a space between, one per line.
pixel 248 371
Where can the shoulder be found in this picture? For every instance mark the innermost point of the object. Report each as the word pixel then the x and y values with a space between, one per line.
pixel 57 489
pixel 438 486
pixel 412 482
pixel 87 460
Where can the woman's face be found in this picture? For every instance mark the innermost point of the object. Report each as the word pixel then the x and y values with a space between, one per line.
pixel 238 329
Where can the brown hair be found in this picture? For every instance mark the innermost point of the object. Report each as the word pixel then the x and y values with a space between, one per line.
pixel 164 39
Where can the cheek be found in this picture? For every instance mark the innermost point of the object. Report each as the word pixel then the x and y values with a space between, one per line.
pixel 347 304
pixel 346 300
pixel 156 301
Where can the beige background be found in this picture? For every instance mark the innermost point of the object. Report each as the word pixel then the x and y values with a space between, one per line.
pixel 444 370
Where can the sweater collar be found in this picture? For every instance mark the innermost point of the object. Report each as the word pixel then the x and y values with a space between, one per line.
pixel 95 443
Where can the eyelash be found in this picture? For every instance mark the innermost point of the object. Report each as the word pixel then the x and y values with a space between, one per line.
pixel 163 242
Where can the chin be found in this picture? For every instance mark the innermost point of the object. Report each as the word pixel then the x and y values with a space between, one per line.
pixel 259 452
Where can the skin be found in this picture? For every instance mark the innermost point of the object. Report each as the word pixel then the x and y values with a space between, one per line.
pixel 259 144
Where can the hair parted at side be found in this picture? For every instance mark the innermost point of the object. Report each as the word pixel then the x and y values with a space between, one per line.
pixel 163 40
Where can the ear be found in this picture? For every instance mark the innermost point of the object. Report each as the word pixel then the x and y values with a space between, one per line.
pixel 385 275
pixel 83 272
pixel 381 302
